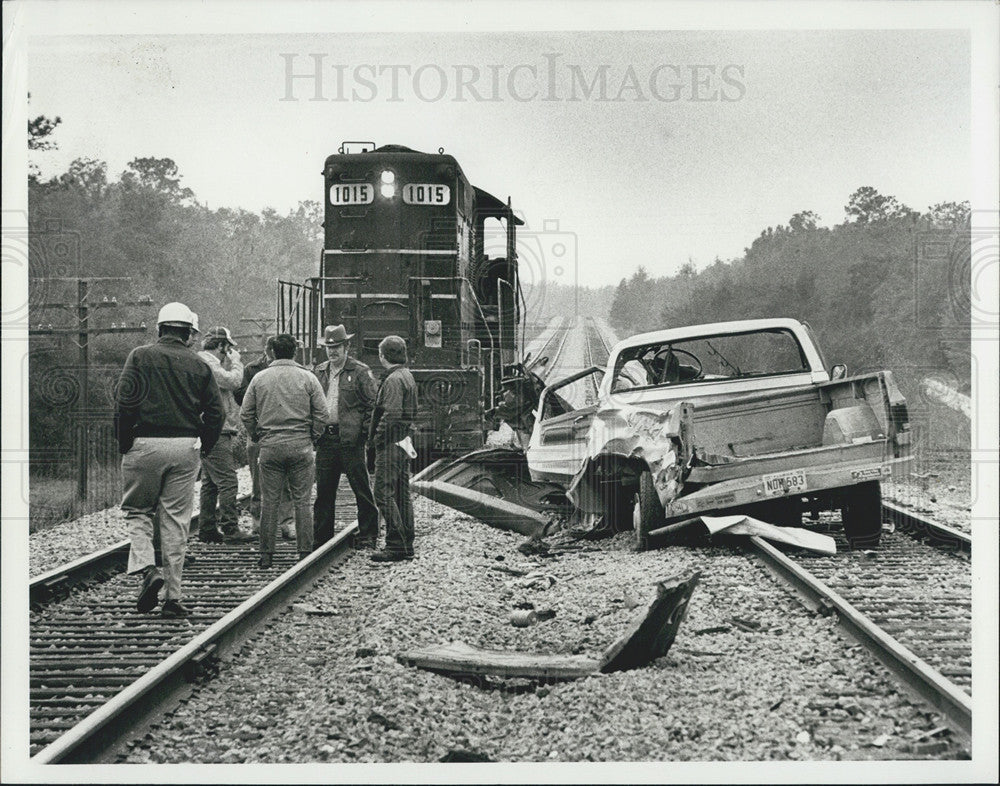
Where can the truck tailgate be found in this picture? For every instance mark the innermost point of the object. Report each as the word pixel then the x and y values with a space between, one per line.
pixel 791 474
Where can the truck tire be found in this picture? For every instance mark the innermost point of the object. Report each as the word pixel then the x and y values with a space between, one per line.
pixel 618 507
pixel 651 514
pixel 861 513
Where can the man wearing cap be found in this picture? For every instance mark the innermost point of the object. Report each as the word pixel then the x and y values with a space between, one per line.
pixel 219 484
pixel 389 446
pixel 167 408
pixel 350 396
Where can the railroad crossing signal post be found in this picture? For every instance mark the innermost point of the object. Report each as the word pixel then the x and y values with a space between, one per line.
pixel 84 331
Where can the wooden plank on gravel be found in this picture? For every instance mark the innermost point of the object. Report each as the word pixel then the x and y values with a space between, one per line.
pixel 647 638
pixel 458 658
pixel 653 630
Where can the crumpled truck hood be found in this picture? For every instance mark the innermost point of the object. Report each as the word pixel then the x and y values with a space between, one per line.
pixel 627 434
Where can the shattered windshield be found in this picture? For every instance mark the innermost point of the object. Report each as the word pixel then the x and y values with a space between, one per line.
pixel 760 353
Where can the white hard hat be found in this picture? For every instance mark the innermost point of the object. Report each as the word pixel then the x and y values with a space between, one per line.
pixel 176 314
pixel 194 322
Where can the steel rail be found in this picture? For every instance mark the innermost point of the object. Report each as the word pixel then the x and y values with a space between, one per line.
pixel 560 327
pixel 128 714
pixel 58 582
pixel 554 360
pixel 940 535
pixel 595 330
pixel 600 336
pixel 913 672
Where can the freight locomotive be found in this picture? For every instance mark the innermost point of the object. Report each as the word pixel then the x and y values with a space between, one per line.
pixel 412 248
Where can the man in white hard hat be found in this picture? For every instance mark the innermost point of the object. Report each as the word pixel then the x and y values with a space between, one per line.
pixel 168 410
pixel 218 482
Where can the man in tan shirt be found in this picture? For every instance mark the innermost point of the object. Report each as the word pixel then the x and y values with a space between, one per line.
pixel 284 409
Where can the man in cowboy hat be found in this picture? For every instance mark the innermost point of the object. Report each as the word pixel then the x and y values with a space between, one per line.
pixel 350 397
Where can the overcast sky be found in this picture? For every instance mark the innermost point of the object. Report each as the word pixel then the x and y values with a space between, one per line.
pixel 648 148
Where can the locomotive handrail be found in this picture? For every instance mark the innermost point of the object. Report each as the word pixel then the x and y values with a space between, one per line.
pixel 513 296
pixel 296 295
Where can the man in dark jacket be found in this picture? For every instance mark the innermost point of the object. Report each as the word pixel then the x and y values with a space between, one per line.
pixel 391 448
pixel 168 411
pixel 349 388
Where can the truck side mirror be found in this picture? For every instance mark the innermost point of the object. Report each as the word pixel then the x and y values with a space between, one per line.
pixel 839 371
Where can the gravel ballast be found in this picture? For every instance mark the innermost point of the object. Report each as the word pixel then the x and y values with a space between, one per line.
pixel 49 548
pixel 752 675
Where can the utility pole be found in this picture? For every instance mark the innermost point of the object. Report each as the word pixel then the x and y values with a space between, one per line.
pixel 264 324
pixel 84 331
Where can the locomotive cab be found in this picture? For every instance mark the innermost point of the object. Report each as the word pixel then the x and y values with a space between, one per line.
pixel 412 248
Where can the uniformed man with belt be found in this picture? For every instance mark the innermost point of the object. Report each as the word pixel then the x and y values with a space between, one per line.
pixel 350 396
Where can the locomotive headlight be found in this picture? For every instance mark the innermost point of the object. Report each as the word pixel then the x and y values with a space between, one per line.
pixel 388 176
pixel 388 190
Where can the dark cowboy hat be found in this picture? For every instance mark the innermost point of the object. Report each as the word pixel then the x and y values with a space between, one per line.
pixel 335 334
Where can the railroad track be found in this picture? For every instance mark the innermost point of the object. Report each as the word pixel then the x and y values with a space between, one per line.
pixel 910 603
pixel 597 350
pixel 553 349
pixel 101 673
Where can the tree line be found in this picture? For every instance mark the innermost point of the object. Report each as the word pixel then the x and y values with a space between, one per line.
pixel 888 288
pixel 142 234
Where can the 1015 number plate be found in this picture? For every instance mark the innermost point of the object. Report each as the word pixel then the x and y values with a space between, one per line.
pixel 352 194
pixel 426 194
pixel 779 484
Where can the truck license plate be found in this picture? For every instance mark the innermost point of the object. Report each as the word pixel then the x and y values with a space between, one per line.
pixel 781 483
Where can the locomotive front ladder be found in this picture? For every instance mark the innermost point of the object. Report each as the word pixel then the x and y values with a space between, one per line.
pixel 299 312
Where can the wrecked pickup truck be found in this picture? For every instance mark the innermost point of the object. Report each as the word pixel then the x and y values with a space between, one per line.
pixel 728 417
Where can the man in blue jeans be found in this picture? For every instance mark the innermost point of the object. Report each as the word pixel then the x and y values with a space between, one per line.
pixel 284 410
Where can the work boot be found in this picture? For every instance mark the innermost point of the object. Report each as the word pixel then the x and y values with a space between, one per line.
pixel 211 535
pixel 149 593
pixel 236 535
pixel 364 544
pixel 174 609
pixel 265 560
pixel 390 556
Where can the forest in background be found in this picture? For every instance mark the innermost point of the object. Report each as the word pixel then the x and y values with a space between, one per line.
pixel 887 288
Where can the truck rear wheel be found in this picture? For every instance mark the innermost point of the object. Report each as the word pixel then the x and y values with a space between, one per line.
pixel 861 514
pixel 651 514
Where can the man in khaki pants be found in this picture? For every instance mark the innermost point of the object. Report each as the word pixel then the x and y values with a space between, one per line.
pixel 168 411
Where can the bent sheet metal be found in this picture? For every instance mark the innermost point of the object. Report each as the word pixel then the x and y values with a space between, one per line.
pixel 494 485
pixel 500 486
